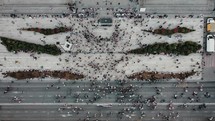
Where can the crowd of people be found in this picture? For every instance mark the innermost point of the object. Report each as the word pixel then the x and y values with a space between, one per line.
pixel 102 67
pixel 124 92
pixel 124 37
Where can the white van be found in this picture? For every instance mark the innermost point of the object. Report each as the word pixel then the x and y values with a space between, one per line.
pixel 210 46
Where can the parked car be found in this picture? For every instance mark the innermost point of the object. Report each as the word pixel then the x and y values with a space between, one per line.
pixel 210 20
pixel 210 46
pixel 210 25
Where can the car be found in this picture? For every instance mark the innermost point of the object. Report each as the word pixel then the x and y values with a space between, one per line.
pixel 210 25
pixel 210 43
pixel 210 20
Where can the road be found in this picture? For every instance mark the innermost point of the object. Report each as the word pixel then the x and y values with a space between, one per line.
pixel 52 113
pixel 37 92
pixel 178 6
pixel 40 103
pixel 35 9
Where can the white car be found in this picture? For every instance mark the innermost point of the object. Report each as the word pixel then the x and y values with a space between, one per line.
pixel 210 20
pixel 210 47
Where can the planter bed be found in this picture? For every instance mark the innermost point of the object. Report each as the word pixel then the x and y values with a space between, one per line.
pixel 29 74
pixel 163 31
pixel 17 46
pixel 184 48
pixel 48 31
pixel 155 75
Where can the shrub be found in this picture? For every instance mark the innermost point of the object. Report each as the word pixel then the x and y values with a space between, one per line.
pixel 17 46
pixel 175 48
pixel 167 32
pixel 48 31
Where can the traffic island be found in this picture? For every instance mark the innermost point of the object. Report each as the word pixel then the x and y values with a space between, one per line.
pixel 146 75
pixel 168 32
pixel 48 31
pixel 30 74
pixel 13 45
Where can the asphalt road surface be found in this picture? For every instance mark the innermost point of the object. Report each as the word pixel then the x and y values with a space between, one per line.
pixel 33 9
pixel 39 101
pixel 40 92
pixel 34 112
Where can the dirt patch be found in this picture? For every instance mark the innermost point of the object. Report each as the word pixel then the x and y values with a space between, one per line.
pixel 155 75
pixel 47 31
pixel 42 74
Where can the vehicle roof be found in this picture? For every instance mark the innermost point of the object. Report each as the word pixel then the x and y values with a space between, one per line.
pixel 210 45
pixel 211 27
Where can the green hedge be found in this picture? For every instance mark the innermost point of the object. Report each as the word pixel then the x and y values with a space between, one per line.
pixel 163 31
pixel 17 46
pixel 184 48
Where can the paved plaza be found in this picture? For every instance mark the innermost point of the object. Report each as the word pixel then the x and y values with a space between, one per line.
pixel 108 66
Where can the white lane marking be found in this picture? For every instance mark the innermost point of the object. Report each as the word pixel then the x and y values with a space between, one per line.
pixel 16 92
pixel 40 95
pixel 49 96
pixel 31 96
pixel 26 111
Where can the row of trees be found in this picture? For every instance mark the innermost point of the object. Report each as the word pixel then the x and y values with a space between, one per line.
pixel 48 31
pixel 163 31
pixel 17 46
pixel 184 48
